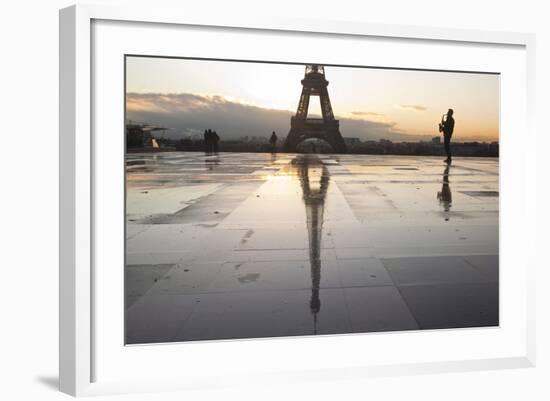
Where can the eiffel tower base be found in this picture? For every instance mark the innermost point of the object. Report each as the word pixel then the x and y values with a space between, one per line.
pixel 328 131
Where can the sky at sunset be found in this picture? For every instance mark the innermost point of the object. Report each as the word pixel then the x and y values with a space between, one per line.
pixel 252 99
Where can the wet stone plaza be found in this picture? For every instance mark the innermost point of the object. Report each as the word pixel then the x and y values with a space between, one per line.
pixel 247 245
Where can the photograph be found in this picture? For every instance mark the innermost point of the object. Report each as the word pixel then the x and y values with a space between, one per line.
pixel 276 199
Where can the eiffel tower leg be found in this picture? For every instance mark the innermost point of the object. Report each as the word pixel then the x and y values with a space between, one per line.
pixel 338 144
pixel 303 106
pixel 326 108
pixel 291 141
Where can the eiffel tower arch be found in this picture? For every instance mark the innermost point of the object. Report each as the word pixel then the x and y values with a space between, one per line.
pixel 326 128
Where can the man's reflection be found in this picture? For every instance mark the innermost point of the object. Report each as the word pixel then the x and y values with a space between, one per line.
pixel 210 162
pixel 314 180
pixel 445 196
pixel 273 157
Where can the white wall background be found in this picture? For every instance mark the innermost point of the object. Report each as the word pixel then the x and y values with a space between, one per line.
pixel 29 195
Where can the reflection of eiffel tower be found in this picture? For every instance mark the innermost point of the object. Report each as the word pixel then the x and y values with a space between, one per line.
pixel 302 127
pixel 314 179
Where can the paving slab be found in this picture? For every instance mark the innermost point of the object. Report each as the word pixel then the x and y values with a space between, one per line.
pixel 442 306
pixel 432 270
pixel 378 309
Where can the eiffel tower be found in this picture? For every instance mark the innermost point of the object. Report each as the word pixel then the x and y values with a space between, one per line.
pixel 302 127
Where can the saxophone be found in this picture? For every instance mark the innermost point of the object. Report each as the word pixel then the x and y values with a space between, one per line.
pixel 442 123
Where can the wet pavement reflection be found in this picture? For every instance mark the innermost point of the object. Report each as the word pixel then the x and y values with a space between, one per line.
pixel 230 245
pixel 445 195
pixel 314 179
pixel 211 160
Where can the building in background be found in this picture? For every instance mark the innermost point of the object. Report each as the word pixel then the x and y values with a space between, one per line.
pixel 140 136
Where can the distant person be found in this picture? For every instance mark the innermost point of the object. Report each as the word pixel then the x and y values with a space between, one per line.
pixel 273 141
pixel 207 140
pixel 447 126
pixel 215 140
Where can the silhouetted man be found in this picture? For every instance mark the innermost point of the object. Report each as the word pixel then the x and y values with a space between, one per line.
pixel 447 126
pixel 273 141
pixel 207 140
pixel 215 140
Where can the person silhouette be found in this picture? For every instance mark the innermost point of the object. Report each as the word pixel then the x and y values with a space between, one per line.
pixel 273 141
pixel 447 126
pixel 207 140
pixel 215 141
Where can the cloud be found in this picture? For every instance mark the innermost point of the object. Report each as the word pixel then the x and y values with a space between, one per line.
pixel 369 116
pixel 172 103
pixel 188 115
pixel 375 130
pixel 412 107
pixel 367 113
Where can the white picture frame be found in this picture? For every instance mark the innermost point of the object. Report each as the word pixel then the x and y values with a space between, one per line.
pixel 78 157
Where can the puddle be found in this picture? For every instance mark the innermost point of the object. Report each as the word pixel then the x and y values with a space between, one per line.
pixel 249 278
pixel 480 193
